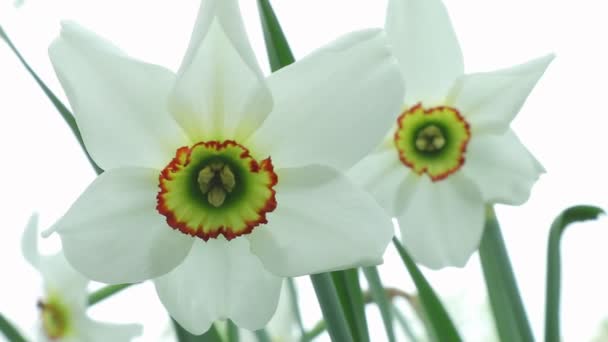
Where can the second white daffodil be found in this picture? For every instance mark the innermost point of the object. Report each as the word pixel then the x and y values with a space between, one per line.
pixel 451 150
pixel 218 182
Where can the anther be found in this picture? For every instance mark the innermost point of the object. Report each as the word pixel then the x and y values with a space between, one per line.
pixel 216 196
pixel 430 139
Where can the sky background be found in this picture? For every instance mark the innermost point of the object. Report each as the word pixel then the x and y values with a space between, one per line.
pixel 563 123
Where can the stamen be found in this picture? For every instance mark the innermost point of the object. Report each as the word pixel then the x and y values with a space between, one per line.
pixel 216 196
pixel 227 177
pixel 430 139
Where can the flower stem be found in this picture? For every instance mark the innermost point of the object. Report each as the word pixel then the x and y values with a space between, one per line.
pixel 509 314
pixel 330 306
pixel 106 292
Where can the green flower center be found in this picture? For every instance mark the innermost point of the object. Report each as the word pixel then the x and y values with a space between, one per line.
pixel 55 318
pixel 432 141
pixel 215 188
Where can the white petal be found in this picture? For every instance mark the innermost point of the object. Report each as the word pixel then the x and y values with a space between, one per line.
pixel 120 104
pixel 334 106
pixel 322 223
pixel 220 91
pixel 219 280
pixel 490 100
pixel 426 47
pixel 114 234
pixel 381 174
pixel 502 167
pixel 29 242
pixel 442 223
pixel 62 279
pixel 93 331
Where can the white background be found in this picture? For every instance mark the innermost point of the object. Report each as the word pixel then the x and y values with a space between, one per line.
pixel 563 124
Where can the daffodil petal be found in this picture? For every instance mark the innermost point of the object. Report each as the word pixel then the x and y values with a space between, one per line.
pixel 381 173
pixel 93 331
pixel 323 222
pixel 333 106
pixel 424 42
pixel 502 167
pixel 220 91
pixel 443 222
pixel 489 101
pixel 219 280
pixel 120 104
pixel 61 278
pixel 114 234
pixel 29 242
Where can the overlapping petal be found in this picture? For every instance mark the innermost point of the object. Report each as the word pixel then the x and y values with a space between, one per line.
pixel 114 234
pixel 381 173
pixel 220 91
pixel 333 106
pixel 443 223
pixel 424 42
pixel 219 280
pixel 120 104
pixel 322 223
pixel 502 167
pixel 490 100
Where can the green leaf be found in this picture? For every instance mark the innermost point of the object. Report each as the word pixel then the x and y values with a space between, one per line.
pixel 277 48
pixel 262 335
pixel 212 335
pixel 9 331
pixel 106 292
pixel 552 300
pixel 233 331
pixel 331 308
pixel 442 327
pixel 317 330
pixel 61 108
pixel 509 314
pixel 379 295
pixel 351 298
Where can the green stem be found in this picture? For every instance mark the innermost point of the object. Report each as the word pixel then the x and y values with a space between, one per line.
pixel 405 326
pixel 262 335
pixel 233 331
pixel 317 330
pixel 507 306
pixel 106 292
pixel 61 108
pixel 9 331
pixel 379 294
pixel 330 306
pixel 295 306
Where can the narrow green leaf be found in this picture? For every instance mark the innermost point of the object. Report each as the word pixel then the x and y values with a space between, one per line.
pixel 9 331
pixel 61 108
pixel 552 300
pixel 405 326
pixel 509 314
pixel 262 335
pixel 331 308
pixel 277 48
pixel 295 306
pixel 233 331
pixel 106 292
pixel 438 318
pixel 379 295
pixel 212 335
pixel 351 298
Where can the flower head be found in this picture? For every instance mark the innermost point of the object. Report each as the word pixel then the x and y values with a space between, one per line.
pixel 218 181
pixel 451 150
pixel 63 307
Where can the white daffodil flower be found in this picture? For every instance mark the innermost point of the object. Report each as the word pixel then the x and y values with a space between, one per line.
pixel 63 308
pixel 450 150
pixel 218 181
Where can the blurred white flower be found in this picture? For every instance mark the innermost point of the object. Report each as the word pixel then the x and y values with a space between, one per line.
pixel 63 307
pixel 451 150
pixel 190 196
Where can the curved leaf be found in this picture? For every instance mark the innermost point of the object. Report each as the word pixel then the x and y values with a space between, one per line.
pixel 552 300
